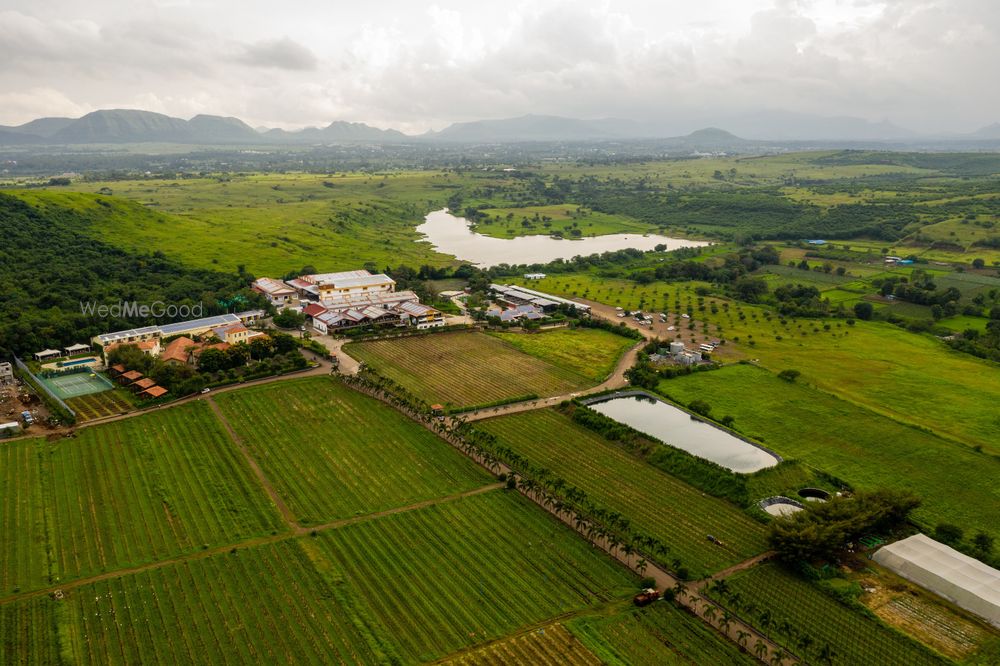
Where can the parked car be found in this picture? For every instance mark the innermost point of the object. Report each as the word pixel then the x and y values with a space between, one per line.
pixel 206 390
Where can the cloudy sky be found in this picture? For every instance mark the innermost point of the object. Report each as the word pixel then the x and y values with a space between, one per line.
pixel 929 65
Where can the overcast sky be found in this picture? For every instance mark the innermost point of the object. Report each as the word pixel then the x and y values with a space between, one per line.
pixel 929 65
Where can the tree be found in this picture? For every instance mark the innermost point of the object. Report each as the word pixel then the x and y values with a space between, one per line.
pixel 863 310
pixel 978 263
pixel 789 375
pixel 983 542
pixel 700 407
pixel 289 319
pixel 212 360
pixel 948 533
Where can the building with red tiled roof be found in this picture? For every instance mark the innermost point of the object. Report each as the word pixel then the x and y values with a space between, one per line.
pixel 178 350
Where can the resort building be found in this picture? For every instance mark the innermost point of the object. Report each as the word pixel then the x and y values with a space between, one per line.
pixel 185 328
pixel 278 294
pixel 511 294
pixel 346 287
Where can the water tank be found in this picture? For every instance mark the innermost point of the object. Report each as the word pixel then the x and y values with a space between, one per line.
pixel 676 347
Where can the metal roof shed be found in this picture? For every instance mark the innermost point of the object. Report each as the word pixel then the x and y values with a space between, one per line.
pixel 946 572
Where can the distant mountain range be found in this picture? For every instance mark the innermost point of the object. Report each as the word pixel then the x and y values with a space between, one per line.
pixel 768 128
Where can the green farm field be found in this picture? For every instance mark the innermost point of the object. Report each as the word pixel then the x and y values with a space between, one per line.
pixel 590 352
pixel 465 369
pixel 551 644
pixel 882 367
pixel 256 605
pixel 855 444
pixel 657 504
pixel 334 453
pixel 797 609
pixel 126 493
pixel 457 574
pixel 661 634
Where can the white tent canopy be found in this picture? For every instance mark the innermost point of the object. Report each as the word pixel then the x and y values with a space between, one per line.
pixel 72 349
pixel 944 571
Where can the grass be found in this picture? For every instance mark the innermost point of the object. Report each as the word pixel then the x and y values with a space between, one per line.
pixel 551 644
pixel 660 634
pixel 562 217
pixel 264 604
pixel 590 352
pixel 853 443
pixel 455 575
pixel 334 453
pixel 797 608
pixel 128 493
pixel 463 369
pixel 656 503
pixel 910 377
pixel 273 223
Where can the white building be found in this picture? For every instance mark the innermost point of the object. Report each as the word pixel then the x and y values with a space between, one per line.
pixel 349 286
pixel 278 294
pixel 6 374
pixel 419 315
pixel 192 327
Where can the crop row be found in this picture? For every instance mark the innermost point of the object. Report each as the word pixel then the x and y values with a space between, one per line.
pixel 23 556
pixel 28 633
pixel 259 605
pixel 658 634
pixel 655 502
pixel 334 453
pixel 465 368
pixel 551 645
pixel 136 491
pixel 96 405
pixel 816 626
pixel 458 574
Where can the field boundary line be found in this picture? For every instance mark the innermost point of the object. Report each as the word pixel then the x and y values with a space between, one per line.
pixel 279 503
pixel 247 543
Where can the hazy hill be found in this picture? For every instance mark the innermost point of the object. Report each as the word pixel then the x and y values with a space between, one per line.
pixel 988 132
pixel 538 128
pixel 789 126
pixel 335 132
pixel 124 126
pixel 209 129
pixel 42 127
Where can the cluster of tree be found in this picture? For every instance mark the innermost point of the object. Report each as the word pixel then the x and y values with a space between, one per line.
pixel 801 301
pixel 980 545
pixel 919 288
pixel 985 344
pixel 50 267
pixel 824 530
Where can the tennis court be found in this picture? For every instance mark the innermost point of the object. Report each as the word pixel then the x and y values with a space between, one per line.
pixel 80 383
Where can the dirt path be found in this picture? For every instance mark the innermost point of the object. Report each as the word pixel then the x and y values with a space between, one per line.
pixel 615 380
pixel 742 566
pixel 286 513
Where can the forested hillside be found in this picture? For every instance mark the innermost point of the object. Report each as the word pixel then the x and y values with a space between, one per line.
pixel 49 266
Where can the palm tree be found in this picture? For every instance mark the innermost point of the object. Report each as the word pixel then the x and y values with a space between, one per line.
pixel 724 621
pixel 741 637
pixel 641 565
pixel 760 648
pixel 709 613
pixel 778 658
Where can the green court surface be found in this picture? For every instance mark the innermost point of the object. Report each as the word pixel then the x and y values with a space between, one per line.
pixel 71 386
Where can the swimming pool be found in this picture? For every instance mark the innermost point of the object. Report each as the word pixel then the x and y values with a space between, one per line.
pixel 79 361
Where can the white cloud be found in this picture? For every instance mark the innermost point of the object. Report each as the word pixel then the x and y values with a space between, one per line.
pixel 922 63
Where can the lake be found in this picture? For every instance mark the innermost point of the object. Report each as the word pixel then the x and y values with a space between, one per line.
pixel 676 427
pixel 450 234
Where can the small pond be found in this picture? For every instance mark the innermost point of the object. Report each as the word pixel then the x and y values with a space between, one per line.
pixel 677 428
pixel 450 234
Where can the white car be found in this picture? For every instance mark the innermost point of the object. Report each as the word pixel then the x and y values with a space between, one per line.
pixel 206 390
pixel 686 316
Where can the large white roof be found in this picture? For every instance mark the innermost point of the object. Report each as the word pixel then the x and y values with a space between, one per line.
pixel 943 570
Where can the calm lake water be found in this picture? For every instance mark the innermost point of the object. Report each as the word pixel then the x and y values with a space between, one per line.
pixel 450 234
pixel 676 427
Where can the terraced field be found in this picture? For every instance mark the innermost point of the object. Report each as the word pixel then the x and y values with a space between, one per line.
pixel 334 453
pixel 591 352
pixel 266 604
pixel 658 635
pixel 656 503
pixel 462 369
pixel 134 491
pixel 799 614
pixel 454 575
pixel 551 644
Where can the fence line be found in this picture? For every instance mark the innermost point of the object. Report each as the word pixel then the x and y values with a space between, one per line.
pixel 38 383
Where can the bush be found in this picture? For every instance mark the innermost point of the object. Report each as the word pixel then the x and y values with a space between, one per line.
pixel 700 407
pixel 789 375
